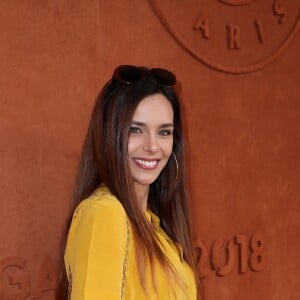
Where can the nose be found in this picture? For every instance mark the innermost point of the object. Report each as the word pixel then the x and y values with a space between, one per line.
pixel 150 143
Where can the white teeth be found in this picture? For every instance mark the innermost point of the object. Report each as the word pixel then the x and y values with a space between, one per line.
pixel 146 163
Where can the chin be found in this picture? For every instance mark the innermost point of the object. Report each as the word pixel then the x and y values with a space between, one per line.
pixel 145 181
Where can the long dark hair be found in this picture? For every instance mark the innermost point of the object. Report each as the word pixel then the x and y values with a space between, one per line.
pixel 104 160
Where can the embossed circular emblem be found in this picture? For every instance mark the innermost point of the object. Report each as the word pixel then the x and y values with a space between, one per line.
pixel 234 36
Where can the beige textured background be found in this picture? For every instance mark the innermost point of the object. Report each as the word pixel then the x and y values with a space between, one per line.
pixel 243 137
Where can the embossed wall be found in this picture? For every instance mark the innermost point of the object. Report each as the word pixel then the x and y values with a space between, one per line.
pixel 238 64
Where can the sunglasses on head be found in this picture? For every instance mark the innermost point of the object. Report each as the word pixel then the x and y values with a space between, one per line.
pixel 130 74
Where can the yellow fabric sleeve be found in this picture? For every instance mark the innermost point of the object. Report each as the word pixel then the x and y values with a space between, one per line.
pixel 96 249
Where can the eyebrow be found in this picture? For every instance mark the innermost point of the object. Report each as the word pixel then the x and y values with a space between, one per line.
pixel 142 124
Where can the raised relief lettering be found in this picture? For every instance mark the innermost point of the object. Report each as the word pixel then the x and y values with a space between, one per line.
pixel 241 240
pixel 14 279
pixel 258 27
pixel 206 24
pixel 222 256
pixel 45 279
pixel 202 25
pixel 202 259
pixel 258 256
pixel 279 11
pixel 233 34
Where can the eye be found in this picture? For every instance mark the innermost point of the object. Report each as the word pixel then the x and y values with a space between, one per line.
pixel 165 132
pixel 135 130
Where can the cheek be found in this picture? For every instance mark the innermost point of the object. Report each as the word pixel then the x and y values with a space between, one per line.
pixel 168 148
pixel 132 144
pixel 130 147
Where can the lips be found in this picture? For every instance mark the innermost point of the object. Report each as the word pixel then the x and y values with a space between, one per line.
pixel 148 164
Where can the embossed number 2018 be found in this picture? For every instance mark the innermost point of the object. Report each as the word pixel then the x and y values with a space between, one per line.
pixel 221 256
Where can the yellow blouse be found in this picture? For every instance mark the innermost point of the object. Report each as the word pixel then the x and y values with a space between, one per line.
pixel 100 256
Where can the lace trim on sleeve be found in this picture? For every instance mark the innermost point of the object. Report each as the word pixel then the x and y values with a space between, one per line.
pixel 125 263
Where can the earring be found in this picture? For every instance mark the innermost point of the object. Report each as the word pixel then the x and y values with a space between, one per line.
pixel 176 162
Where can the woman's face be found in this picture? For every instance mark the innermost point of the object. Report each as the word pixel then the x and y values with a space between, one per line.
pixel 150 139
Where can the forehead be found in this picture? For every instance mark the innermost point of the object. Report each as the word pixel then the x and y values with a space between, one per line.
pixel 154 108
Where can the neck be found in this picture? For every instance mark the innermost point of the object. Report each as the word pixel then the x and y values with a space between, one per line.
pixel 142 192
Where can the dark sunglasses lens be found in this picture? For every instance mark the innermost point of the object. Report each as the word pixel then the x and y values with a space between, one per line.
pixel 129 73
pixel 163 77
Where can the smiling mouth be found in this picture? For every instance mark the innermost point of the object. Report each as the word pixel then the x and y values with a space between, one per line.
pixel 146 164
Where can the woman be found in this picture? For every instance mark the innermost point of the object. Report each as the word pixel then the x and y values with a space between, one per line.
pixel 129 237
